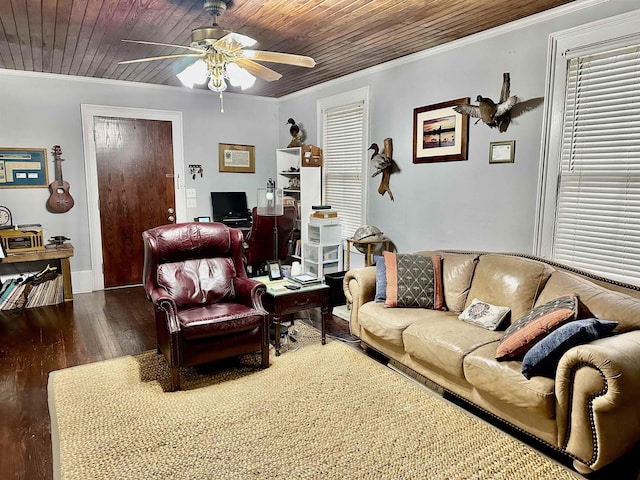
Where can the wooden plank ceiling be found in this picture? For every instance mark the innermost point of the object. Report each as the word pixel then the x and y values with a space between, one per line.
pixel 82 37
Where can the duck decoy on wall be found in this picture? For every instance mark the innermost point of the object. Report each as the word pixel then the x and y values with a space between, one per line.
pixel 491 113
pixel 383 163
pixel 297 133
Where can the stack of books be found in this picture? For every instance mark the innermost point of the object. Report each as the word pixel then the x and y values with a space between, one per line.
pixel 323 214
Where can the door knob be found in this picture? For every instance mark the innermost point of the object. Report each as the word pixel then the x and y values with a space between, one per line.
pixel 171 218
pixel 170 210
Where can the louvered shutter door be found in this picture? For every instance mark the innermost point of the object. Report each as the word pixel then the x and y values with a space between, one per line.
pixel 598 211
pixel 343 147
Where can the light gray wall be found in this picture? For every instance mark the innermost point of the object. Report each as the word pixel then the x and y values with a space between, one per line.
pixel 39 111
pixel 466 204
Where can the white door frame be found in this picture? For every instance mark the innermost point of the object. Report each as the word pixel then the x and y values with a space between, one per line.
pixel 91 171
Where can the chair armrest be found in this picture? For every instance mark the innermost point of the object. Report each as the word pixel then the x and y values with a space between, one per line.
pixel 359 288
pixel 598 393
pixel 249 292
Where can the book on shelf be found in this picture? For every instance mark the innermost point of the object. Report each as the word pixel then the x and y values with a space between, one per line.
pixel 305 279
pixel 324 213
pixel 324 221
pixel 32 292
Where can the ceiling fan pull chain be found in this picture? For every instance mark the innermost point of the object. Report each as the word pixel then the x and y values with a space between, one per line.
pixel 221 103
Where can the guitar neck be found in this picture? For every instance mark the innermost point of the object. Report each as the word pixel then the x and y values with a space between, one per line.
pixel 58 164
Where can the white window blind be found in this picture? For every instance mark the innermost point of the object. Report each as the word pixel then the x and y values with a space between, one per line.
pixel 598 210
pixel 343 150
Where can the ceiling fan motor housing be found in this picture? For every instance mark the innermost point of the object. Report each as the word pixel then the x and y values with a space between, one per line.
pixel 216 8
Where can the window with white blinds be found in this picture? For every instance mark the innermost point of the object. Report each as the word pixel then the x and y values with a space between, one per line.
pixel 598 204
pixel 343 149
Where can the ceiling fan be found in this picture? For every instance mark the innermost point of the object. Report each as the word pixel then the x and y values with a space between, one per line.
pixel 222 55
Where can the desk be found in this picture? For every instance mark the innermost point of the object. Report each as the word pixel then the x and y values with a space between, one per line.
pixel 280 301
pixel 61 252
pixel 369 243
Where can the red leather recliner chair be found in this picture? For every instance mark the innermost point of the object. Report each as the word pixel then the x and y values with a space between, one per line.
pixel 259 241
pixel 206 308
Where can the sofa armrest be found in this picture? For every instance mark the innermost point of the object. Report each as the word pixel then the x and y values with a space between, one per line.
pixel 598 393
pixel 359 288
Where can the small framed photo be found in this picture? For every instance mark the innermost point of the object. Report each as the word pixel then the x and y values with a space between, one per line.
pixel 502 152
pixel 275 272
pixel 202 219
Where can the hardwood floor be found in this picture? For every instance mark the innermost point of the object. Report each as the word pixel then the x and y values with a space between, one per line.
pixel 33 342
pixel 96 326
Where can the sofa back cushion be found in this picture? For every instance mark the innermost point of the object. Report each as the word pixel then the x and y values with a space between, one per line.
pixel 605 304
pixel 510 281
pixel 457 272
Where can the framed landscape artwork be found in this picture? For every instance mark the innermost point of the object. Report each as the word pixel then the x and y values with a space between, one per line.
pixel 440 134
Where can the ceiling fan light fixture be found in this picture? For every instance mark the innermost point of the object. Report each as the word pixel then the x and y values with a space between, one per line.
pixel 217 85
pixel 239 77
pixel 194 74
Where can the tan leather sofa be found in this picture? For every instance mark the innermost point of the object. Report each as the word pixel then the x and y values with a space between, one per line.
pixel 590 411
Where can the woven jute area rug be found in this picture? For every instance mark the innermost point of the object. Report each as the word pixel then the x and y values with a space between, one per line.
pixel 319 412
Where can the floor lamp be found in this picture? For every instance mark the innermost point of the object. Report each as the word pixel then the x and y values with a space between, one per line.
pixel 270 205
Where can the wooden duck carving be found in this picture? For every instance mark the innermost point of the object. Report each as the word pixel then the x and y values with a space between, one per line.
pixel 383 163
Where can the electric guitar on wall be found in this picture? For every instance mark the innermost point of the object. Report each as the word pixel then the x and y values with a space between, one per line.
pixel 60 200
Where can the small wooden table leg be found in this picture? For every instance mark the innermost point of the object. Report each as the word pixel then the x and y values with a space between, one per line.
pixel 324 313
pixel 276 322
pixel 66 279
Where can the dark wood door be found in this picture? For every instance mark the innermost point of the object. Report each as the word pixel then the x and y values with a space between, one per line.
pixel 135 185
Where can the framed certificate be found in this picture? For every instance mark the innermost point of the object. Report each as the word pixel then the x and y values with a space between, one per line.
pixel 502 152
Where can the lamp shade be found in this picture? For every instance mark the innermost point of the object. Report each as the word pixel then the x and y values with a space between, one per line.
pixel 270 200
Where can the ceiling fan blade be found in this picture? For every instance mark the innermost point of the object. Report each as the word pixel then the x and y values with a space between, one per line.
pixel 144 42
pixel 258 70
pixel 162 57
pixel 275 57
pixel 233 41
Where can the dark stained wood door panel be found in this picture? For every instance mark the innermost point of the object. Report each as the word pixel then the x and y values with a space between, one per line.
pixel 136 190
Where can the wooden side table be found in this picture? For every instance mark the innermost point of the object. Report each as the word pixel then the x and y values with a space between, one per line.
pixel 280 302
pixel 61 252
pixel 369 244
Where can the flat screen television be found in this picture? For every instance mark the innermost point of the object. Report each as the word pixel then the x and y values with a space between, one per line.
pixel 230 206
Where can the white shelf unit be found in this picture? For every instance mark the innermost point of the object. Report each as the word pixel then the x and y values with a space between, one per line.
pixel 309 179
pixel 322 252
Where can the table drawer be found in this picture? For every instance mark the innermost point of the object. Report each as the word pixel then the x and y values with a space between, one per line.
pixel 293 303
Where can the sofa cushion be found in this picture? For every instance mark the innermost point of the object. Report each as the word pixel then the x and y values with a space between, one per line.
pixel 603 303
pixel 413 281
pixel 484 314
pixel 511 281
pixel 389 324
pixel 535 325
pixel 443 341
pixel 504 382
pixel 543 357
pixel 457 273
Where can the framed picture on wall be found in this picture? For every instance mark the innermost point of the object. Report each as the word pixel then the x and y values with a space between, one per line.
pixel 236 158
pixel 23 168
pixel 440 134
pixel 502 152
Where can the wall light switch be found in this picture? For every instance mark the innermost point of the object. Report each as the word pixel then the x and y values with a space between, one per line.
pixel 191 203
pixel 191 193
